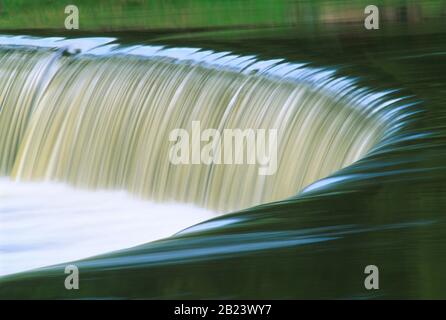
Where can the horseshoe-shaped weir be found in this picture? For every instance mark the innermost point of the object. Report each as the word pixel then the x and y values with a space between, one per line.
pixel 99 118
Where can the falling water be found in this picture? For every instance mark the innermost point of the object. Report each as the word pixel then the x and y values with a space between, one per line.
pixel 24 74
pixel 101 119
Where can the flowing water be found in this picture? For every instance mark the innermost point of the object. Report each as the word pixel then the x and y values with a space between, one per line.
pixel 360 178
pixel 100 120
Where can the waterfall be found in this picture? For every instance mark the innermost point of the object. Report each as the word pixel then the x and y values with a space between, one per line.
pixel 101 118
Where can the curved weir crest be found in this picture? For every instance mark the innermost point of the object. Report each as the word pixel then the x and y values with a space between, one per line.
pixel 101 118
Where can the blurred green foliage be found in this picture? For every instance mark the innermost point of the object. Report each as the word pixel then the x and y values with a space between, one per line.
pixel 187 14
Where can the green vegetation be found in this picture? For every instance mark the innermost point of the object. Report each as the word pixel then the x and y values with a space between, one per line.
pixel 184 14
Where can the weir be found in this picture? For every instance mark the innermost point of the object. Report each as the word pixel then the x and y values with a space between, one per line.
pixel 101 119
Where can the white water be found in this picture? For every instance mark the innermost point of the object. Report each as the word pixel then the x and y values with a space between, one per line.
pixel 45 223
